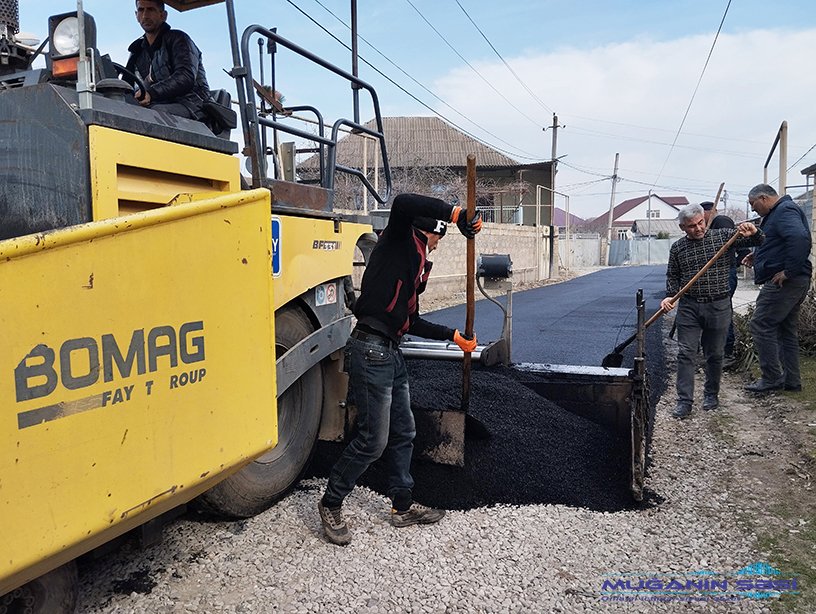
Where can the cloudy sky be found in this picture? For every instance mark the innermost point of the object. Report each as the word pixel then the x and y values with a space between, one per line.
pixel 620 76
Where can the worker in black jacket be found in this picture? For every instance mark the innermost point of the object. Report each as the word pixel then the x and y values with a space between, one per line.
pixel 715 221
pixel 388 308
pixel 169 64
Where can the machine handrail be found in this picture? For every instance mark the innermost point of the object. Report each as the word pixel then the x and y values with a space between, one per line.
pixel 252 122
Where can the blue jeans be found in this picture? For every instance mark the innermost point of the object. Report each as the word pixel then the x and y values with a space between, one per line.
pixel 699 324
pixel 774 328
pixel 378 381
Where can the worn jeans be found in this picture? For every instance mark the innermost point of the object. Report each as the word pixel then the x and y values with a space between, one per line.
pixel 378 382
pixel 699 324
pixel 774 327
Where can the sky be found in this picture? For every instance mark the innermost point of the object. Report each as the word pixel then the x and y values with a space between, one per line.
pixel 621 76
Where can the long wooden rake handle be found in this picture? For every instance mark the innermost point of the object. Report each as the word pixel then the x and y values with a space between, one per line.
pixel 682 290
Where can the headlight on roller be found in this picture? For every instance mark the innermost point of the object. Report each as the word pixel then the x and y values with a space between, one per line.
pixel 63 34
pixel 65 40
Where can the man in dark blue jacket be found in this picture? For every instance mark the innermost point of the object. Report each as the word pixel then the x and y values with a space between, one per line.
pixel 388 307
pixel 782 266
pixel 169 64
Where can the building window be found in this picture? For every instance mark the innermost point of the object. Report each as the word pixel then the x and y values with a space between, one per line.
pixel 623 234
pixel 653 213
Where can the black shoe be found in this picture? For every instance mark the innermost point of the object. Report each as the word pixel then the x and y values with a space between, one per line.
pixel 334 526
pixel 796 388
pixel 761 385
pixel 730 363
pixel 682 410
pixel 416 514
pixel 710 402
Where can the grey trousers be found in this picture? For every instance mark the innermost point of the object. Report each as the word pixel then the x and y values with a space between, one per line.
pixel 699 324
pixel 774 327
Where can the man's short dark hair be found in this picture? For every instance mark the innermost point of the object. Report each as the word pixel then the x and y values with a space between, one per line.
pixel 159 3
pixel 761 189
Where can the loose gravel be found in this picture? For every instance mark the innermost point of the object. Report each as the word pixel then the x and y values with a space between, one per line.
pixel 498 558
pixel 537 522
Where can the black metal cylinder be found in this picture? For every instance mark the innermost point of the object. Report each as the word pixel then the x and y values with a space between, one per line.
pixel 10 15
pixel 494 266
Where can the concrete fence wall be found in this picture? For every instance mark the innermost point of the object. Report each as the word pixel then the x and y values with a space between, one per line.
pixel 450 258
pixel 584 251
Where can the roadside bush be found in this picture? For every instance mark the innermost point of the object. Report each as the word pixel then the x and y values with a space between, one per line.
pixel 744 353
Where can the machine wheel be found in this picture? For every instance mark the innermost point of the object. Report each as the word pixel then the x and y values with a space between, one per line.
pixel 264 481
pixel 53 593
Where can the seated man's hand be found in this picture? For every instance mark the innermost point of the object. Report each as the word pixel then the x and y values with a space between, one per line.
pixel 748 260
pixel 143 98
pixel 465 343
pixel 468 228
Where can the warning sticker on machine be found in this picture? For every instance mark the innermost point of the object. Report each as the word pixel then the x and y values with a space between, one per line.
pixel 325 294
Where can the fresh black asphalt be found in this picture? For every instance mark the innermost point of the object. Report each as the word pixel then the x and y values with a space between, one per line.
pixel 536 452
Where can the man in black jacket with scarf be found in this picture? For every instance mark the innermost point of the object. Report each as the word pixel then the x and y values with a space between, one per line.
pixel 169 64
pixel 388 307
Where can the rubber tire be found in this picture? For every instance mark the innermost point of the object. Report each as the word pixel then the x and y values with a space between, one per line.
pixel 267 479
pixel 53 593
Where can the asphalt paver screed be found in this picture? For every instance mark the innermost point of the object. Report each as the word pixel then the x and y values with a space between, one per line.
pixel 536 452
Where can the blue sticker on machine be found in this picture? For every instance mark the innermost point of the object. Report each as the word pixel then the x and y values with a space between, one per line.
pixel 276 247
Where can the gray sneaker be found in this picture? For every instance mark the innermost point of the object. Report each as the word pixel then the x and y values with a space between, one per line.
pixel 682 410
pixel 710 402
pixel 334 526
pixel 416 514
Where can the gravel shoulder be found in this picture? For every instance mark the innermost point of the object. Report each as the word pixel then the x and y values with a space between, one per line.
pixel 733 488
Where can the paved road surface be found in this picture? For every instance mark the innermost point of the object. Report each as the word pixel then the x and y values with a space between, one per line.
pixel 576 322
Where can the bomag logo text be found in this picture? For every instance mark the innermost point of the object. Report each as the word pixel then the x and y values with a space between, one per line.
pixel 82 362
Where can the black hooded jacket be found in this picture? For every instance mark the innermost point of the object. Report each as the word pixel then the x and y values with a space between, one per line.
pixel 171 68
pixel 398 271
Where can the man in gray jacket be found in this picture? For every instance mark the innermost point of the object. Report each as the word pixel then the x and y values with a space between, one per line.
pixel 782 267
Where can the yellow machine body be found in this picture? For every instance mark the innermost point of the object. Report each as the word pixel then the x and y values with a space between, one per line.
pixel 138 368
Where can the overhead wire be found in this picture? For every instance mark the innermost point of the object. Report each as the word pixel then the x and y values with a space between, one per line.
pixel 473 68
pixel 694 94
pixel 496 51
pixel 405 91
pixel 395 65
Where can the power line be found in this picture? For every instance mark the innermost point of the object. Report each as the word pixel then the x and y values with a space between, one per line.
pixel 473 68
pixel 405 91
pixel 395 65
pixel 694 94
pixel 496 51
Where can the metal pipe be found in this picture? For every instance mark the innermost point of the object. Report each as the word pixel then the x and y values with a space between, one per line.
pixel 440 353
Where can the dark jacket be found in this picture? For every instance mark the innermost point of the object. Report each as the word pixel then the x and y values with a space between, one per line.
pixel 398 271
pixel 787 243
pixel 171 69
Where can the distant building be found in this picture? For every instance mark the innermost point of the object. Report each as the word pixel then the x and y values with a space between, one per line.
pixel 639 209
pixel 430 146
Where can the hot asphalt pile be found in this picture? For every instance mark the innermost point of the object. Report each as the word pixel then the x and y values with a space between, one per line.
pixel 536 452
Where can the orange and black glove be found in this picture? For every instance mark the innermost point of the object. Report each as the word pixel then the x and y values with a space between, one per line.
pixel 468 228
pixel 465 343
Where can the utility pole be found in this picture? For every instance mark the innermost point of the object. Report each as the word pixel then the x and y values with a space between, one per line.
pixel 553 162
pixel 611 210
